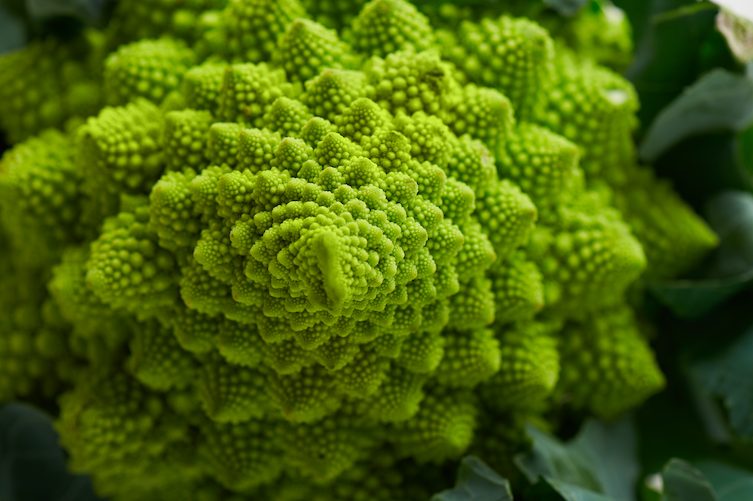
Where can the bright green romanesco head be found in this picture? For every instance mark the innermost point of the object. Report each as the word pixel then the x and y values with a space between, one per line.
pixel 295 263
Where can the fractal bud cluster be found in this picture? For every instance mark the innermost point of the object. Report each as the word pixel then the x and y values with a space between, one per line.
pixel 263 249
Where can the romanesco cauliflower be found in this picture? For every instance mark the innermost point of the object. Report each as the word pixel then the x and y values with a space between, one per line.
pixel 297 250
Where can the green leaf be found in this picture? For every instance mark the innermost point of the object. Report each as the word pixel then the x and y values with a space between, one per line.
pixel 730 214
pixel 572 492
pixel 693 299
pixel 683 482
pixel 550 458
pixel 476 482
pixel 687 10
pixel 730 483
pixel 729 376
pixel 712 415
pixel 667 53
pixel 719 100
pixel 701 167
pixel 637 12
pixel 32 464
pixel 745 149
pixel 566 8
pixel 471 3
pixel 87 11
pixel 598 464
pixel 12 30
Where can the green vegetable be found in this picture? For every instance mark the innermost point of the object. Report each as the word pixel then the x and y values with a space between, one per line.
pixel 288 262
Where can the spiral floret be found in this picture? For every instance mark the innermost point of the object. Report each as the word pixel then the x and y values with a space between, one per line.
pixel 327 258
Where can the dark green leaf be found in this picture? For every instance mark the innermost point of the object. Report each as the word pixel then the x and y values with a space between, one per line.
pixel 32 464
pixel 12 30
pixel 553 459
pixel 719 100
pixel 670 423
pixel 599 463
pixel 682 482
pixel 687 10
pixel 571 492
pixel 730 483
pixel 566 7
pixel 693 298
pixel 667 54
pixel 472 3
pixel 711 414
pixel 637 12
pixel 730 214
pixel 476 482
pixel 88 11
pixel 745 149
pixel 729 376
pixel 701 167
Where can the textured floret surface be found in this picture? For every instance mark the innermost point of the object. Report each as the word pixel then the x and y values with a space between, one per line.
pixel 301 250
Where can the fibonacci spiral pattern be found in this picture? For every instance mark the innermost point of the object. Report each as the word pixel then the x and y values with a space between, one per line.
pixel 288 262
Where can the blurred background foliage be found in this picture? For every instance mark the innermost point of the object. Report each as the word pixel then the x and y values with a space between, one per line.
pixel 693 71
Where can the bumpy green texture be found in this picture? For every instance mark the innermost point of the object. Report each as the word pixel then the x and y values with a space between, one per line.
pixel 543 164
pixel 201 86
pixel 484 114
pixel 307 47
pixel 247 30
pixel 593 107
pixel 407 82
pixel 141 19
pixel 507 215
pixel 595 374
pixel 336 14
pixel 518 289
pixel 39 198
pixel 46 84
pixel 386 26
pixel 126 268
pixel 507 54
pixel 310 249
pixel 601 31
pixel 530 366
pixel 150 69
pixel 91 318
pixel 119 153
pixel 248 91
pixel 36 358
pixel 107 420
pixel 586 257
pixel 674 238
pixel 330 92
pixel 183 137
pixel 602 34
